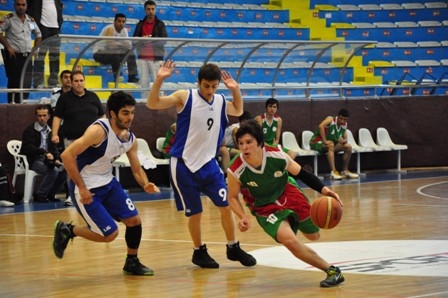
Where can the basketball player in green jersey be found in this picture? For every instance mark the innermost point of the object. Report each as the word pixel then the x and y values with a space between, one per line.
pixel 331 137
pixel 271 123
pixel 261 174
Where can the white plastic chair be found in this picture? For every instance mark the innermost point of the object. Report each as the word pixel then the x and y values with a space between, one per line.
pixel 289 141
pixel 144 155
pixel 356 149
pixel 366 140
pixel 21 167
pixel 383 138
pixel 306 137
pixel 159 143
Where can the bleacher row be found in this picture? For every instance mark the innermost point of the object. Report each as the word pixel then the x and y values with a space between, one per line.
pixel 412 39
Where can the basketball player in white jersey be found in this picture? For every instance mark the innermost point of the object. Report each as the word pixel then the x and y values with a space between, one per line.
pixel 98 196
pixel 202 119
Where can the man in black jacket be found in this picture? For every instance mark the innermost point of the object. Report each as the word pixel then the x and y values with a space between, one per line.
pixel 150 54
pixel 49 19
pixel 43 156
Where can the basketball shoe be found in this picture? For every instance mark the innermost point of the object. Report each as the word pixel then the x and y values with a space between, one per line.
pixel 132 266
pixel 235 253
pixel 203 259
pixel 335 175
pixel 348 174
pixel 62 235
pixel 334 277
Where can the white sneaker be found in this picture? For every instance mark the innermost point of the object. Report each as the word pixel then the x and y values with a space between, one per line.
pixel 68 202
pixel 335 175
pixel 4 203
pixel 348 174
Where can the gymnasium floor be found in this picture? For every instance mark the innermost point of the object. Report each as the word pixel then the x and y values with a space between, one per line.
pixel 392 242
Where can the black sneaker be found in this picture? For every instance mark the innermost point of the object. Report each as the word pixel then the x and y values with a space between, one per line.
pixel 235 253
pixel 203 259
pixel 62 235
pixel 334 277
pixel 134 267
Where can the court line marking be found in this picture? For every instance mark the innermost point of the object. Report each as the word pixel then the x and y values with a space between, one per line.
pixel 420 190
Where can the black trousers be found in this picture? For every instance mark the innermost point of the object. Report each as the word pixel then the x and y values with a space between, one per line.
pixel 13 69
pixel 53 49
pixel 114 59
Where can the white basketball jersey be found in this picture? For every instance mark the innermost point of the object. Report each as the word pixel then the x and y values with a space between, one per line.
pixel 95 163
pixel 200 129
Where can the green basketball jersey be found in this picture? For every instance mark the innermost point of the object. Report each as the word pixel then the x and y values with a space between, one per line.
pixel 265 185
pixel 269 130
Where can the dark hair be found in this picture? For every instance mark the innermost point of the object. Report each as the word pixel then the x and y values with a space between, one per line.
pixel 343 113
pixel 149 2
pixel 245 116
pixel 209 72
pixel 64 72
pixel 75 72
pixel 43 107
pixel 252 128
pixel 118 100
pixel 271 101
pixel 119 15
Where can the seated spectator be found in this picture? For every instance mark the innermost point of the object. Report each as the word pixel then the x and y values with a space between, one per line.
pixel 5 189
pixel 113 51
pixel 230 133
pixel 43 156
pixel 331 137
pixel 272 123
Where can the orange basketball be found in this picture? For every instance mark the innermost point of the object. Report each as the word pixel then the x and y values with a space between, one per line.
pixel 326 212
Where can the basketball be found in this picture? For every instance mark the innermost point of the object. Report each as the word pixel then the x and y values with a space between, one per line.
pixel 326 212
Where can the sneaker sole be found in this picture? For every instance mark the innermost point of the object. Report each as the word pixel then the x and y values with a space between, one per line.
pixel 341 280
pixel 56 226
pixel 132 273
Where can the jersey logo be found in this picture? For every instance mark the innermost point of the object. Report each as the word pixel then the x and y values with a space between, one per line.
pixel 252 183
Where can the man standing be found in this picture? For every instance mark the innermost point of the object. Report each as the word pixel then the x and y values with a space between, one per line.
pixel 331 137
pixel 150 55
pixel 48 16
pixel 78 108
pixel 16 30
pixel 43 156
pixel 98 196
pixel 113 51
pixel 201 120
pixel 66 86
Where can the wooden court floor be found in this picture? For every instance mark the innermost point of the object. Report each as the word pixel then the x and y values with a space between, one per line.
pixel 394 224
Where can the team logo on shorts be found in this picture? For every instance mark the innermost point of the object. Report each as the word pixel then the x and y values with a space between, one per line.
pixel 278 174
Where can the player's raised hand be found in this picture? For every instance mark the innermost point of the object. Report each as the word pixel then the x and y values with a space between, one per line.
pixel 166 69
pixel 227 79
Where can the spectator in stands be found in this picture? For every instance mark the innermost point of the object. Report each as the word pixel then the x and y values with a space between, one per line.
pixel 262 175
pixel 43 156
pixel 78 108
pixel 330 137
pixel 230 133
pixel 272 123
pixel 201 121
pixel 48 16
pixel 113 51
pixel 16 30
pixel 150 54
pixel 66 86
pixel 100 198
